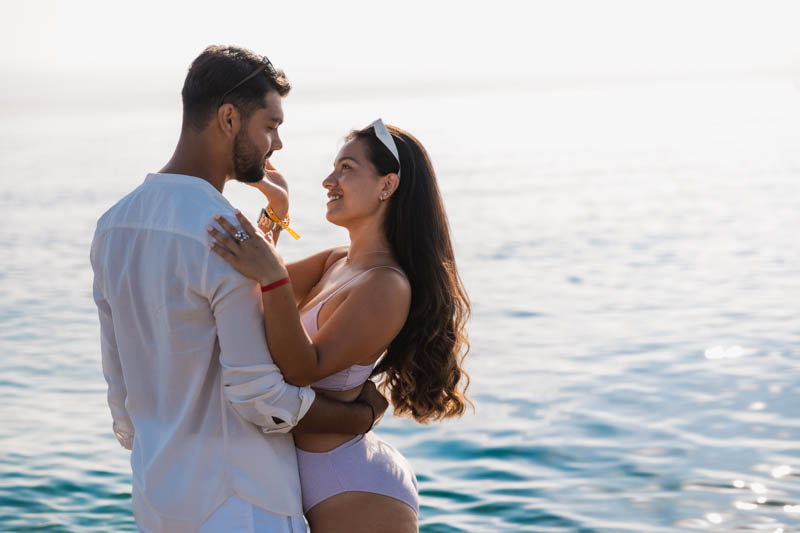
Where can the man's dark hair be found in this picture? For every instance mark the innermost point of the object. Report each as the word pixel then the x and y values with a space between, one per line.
pixel 218 69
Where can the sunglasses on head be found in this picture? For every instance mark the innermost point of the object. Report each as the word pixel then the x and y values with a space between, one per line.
pixel 265 66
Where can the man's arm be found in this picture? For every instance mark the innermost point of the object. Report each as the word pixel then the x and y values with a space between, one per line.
pixel 331 416
pixel 112 368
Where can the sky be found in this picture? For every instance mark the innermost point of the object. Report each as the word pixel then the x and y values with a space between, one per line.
pixel 400 40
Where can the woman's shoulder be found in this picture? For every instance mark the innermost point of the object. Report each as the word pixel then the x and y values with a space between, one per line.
pixel 335 254
pixel 384 280
pixel 383 291
pixel 387 271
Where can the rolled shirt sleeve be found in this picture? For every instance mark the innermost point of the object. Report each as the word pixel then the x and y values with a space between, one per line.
pixel 252 382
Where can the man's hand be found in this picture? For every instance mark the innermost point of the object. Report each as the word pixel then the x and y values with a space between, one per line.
pixel 343 418
pixel 370 395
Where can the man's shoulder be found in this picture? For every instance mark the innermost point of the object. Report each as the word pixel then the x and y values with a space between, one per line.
pixel 109 216
pixel 183 210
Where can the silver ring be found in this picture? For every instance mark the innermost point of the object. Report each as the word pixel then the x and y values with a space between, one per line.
pixel 241 236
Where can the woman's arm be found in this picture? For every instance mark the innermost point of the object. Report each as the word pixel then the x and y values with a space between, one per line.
pixel 275 189
pixel 307 272
pixel 363 322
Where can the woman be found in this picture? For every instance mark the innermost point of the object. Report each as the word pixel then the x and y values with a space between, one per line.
pixel 394 292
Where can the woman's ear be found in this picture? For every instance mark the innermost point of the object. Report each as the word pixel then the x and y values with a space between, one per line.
pixel 390 184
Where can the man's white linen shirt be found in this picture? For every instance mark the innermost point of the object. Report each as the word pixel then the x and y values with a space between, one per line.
pixel 191 384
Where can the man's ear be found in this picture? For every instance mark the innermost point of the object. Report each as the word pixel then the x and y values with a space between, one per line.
pixel 228 119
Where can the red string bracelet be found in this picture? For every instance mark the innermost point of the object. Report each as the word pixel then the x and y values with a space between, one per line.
pixel 276 284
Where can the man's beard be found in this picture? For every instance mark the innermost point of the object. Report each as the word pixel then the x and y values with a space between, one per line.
pixel 247 163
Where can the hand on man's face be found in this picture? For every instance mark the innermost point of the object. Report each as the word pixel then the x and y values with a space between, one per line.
pixel 275 188
pixel 257 139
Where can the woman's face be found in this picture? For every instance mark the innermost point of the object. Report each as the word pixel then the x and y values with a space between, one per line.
pixel 354 187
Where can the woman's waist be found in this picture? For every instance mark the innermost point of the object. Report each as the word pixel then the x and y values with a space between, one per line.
pixel 345 380
pixel 321 442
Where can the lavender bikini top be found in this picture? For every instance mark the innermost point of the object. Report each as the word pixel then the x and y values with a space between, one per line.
pixel 349 377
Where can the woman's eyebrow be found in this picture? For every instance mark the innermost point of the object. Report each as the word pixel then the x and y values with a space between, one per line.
pixel 346 157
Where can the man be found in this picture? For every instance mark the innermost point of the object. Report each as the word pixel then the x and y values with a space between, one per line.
pixel 192 388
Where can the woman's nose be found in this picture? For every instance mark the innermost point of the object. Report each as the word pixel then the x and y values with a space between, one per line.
pixel 329 181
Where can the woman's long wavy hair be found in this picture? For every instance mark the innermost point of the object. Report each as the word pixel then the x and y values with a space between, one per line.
pixel 422 366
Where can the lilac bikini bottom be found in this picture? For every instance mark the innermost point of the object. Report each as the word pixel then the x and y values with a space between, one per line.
pixel 365 463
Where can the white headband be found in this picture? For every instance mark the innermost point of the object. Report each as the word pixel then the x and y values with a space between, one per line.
pixel 386 138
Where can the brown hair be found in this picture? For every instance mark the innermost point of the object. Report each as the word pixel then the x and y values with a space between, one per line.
pixel 423 364
pixel 215 71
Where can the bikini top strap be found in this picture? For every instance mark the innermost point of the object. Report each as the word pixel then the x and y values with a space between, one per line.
pixel 351 280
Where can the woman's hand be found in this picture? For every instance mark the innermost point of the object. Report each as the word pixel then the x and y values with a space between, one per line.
pixel 275 188
pixel 255 257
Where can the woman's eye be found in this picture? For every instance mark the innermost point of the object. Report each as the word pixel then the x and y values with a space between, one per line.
pixel 345 166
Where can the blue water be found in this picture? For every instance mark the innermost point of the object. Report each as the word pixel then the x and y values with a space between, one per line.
pixel 632 255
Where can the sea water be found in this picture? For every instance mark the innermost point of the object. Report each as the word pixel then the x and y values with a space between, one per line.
pixel 630 249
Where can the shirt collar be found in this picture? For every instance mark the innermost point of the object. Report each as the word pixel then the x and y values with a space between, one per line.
pixel 182 179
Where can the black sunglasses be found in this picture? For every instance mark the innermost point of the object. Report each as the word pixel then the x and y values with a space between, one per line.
pixel 266 66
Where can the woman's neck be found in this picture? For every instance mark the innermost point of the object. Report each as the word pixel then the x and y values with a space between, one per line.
pixel 367 243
